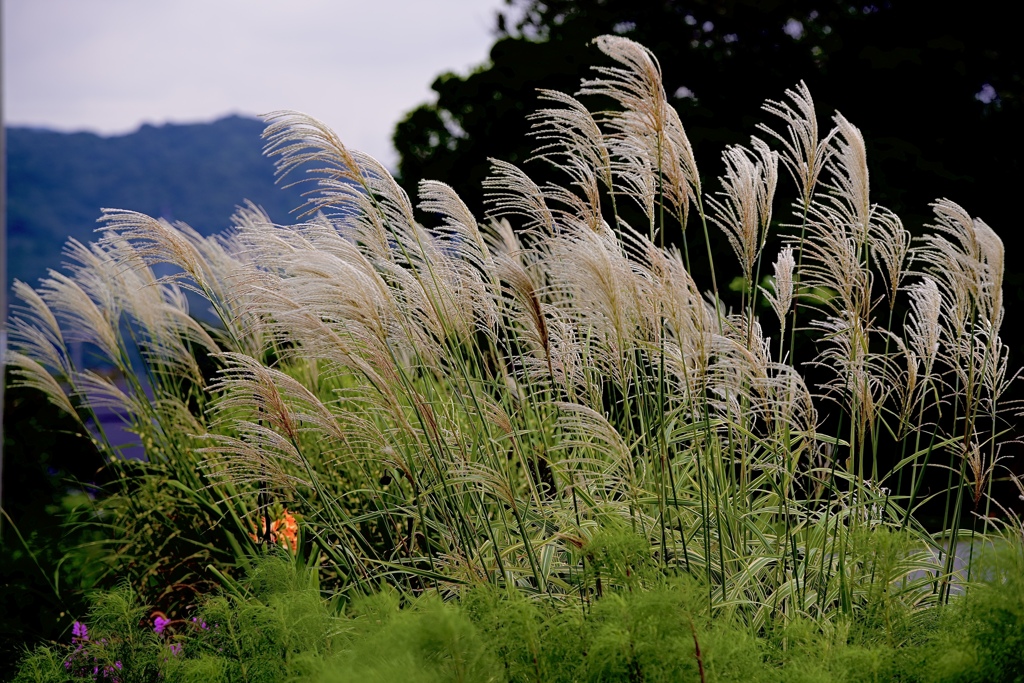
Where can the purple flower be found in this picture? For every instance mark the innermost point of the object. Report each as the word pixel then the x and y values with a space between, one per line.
pixel 159 624
pixel 78 630
pixel 176 649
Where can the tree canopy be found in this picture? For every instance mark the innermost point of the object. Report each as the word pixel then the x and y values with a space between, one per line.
pixel 936 91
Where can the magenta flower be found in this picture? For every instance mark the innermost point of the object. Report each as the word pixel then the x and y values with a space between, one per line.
pixel 159 624
pixel 78 630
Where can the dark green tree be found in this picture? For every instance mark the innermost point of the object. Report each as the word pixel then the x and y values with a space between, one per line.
pixel 936 92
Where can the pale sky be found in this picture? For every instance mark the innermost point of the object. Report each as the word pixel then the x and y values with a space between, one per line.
pixel 108 66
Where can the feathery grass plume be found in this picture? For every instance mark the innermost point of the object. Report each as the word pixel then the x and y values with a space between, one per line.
pixel 317 272
pixel 35 329
pixel 27 372
pixel 596 280
pixel 781 296
pixel 353 185
pixel 737 375
pixel 570 135
pixel 923 327
pixel 244 384
pixel 508 191
pixel 968 272
pixel 158 316
pixel 241 329
pixel 745 210
pixel 572 142
pixel 890 246
pixel 831 265
pixel 526 306
pixel 805 155
pixel 907 390
pixel 690 323
pixel 980 470
pixel 992 254
pixel 258 455
pixel 647 137
pixel 859 379
pixel 598 455
pixel 99 391
pixel 996 378
pixel 157 241
pixel 82 319
pixel 341 175
pixel 953 258
pixel 460 226
pixel 848 169
pixel 792 404
pixel 136 242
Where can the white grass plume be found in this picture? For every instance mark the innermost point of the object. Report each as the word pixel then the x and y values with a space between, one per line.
pixel 805 152
pixel 781 296
pixel 647 134
pixel 744 209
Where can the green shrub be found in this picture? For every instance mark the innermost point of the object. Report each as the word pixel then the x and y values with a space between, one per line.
pixel 278 627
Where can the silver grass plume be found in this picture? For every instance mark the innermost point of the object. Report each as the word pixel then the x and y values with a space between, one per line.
pixel 463 252
pixel 35 331
pixel 858 378
pixel 966 261
pixel 298 139
pixel 459 225
pixel 992 254
pixel 646 135
pixel 744 211
pixel 791 403
pixel 831 261
pixel 82 319
pixel 849 179
pixel 29 373
pixel 923 326
pixel 781 296
pixel 510 192
pixel 251 390
pixel 157 241
pixel 890 245
pixel 570 131
pixel 572 141
pixel 804 154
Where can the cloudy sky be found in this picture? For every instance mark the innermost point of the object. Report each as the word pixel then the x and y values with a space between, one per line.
pixel 108 66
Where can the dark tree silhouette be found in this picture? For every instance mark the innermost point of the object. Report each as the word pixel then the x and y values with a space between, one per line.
pixel 936 92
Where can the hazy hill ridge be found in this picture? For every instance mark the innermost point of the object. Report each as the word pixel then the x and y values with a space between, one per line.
pixel 198 173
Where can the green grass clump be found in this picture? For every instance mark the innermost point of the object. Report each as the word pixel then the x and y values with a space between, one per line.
pixel 278 627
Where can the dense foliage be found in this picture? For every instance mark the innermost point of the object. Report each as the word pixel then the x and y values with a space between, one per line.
pixel 278 627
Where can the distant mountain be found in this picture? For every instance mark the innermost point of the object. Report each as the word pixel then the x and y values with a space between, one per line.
pixel 197 173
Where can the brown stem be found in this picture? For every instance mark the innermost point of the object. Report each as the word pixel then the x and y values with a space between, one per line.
pixel 696 652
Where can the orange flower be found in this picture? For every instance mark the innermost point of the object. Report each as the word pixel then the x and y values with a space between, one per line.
pixel 284 531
